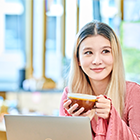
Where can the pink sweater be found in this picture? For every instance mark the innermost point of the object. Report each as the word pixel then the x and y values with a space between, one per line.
pixel 127 128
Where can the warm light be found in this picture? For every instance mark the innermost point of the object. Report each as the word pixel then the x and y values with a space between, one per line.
pixel 55 10
pixel 2 26
pixel 13 8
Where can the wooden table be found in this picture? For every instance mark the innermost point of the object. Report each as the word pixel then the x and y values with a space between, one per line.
pixel 2 127
pixel 3 94
pixel 2 131
pixel 3 135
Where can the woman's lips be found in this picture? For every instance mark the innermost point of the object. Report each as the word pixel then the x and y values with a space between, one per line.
pixel 97 70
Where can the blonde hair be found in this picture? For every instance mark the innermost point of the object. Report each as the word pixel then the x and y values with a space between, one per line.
pixel 79 81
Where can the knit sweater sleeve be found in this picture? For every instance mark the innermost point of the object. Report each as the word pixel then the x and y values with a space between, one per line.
pixel 62 111
pixel 129 128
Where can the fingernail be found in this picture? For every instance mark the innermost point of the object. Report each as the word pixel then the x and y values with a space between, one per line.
pixel 75 104
pixel 82 108
pixel 70 101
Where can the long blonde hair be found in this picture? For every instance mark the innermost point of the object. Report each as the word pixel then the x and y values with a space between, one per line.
pixel 79 81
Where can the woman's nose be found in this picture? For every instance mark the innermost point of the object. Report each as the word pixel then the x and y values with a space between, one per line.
pixel 97 59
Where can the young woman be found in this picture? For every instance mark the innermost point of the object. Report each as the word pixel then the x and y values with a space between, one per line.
pixel 97 69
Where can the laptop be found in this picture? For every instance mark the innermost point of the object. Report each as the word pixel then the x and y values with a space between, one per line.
pixel 26 127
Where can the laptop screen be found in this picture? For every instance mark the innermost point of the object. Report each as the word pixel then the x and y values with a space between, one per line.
pixel 26 127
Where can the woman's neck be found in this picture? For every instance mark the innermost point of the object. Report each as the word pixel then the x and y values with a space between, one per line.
pixel 99 87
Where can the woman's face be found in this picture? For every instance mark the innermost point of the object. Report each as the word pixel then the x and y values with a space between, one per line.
pixel 95 57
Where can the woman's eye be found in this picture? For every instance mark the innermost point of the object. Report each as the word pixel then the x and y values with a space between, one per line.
pixel 106 51
pixel 88 52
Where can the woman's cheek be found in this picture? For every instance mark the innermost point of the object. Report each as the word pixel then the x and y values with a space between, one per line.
pixel 84 62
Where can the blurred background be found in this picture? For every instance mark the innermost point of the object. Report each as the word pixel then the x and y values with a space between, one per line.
pixel 36 42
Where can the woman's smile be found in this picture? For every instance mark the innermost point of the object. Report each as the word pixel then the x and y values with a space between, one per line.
pixel 97 70
pixel 95 58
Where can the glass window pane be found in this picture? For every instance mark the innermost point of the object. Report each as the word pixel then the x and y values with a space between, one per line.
pixel 12 58
pixel 86 12
pixel 70 26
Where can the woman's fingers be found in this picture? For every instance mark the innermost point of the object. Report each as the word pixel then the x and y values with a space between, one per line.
pixel 103 113
pixel 103 107
pixel 72 109
pixel 86 113
pixel 66 104
pixel 78 112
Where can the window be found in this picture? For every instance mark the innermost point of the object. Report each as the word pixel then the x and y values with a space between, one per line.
pixel 12 57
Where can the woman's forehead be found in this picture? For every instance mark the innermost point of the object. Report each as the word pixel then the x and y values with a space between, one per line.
pixel 94 41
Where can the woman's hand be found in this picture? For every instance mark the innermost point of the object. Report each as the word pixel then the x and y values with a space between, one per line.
pixel 103 107
pixel 71 110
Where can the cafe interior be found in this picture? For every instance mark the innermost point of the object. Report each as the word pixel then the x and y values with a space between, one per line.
pixel 36 43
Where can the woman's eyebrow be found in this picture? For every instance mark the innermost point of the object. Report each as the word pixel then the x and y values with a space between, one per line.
pixel 87 48
pixel 90 48
pixel 109 47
